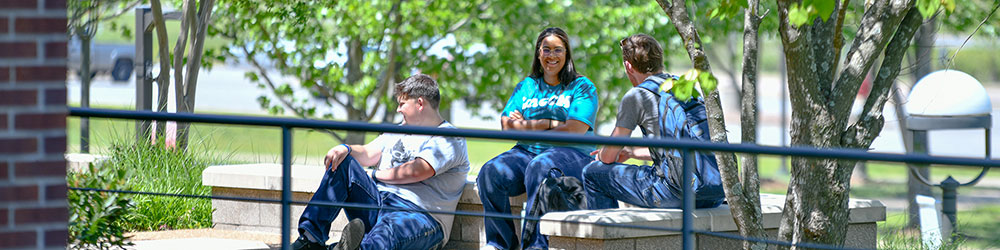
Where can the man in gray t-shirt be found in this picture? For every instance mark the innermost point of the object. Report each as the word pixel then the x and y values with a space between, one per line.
pixel 414 174
pixel 608 180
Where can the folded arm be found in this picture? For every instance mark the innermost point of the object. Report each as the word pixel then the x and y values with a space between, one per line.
pixel 413 171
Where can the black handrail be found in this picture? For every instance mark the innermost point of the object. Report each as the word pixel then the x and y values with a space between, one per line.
pixel 687 230
pixel 838 153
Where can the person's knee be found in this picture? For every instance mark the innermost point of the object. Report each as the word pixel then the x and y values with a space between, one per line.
pixel 492 176
pixel 591 170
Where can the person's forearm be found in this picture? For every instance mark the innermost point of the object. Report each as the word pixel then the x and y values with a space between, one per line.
pixel 609 154
pixel 526 125
pixel 641 153
pixel 364 156
pixel 407 173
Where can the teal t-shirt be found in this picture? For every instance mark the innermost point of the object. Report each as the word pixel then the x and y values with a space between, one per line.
pixel 537 100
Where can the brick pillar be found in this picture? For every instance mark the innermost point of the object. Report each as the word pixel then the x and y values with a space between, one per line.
pixel 33 213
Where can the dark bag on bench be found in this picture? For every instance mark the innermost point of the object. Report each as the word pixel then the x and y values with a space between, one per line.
pixel 556 193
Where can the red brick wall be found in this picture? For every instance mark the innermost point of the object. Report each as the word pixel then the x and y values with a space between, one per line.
pixel 33 212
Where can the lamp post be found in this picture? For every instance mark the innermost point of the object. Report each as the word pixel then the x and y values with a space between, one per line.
pixel 947 99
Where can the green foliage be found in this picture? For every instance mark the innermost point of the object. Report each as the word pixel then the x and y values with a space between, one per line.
pixel 799 14
pixel 97 220
pixel 927 8
pixel 684 87
pixel 964 22
pixel 152 168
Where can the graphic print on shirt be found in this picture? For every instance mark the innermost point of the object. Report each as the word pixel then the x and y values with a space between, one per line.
pixel 400 155
pixel 559 101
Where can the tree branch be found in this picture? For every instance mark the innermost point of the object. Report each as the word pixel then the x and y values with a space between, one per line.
pixel 127 8
pixel 752 226
pixel 865 129
pixel 838 42
pixel 194 60
pixel 383 83
pixel 270 84
pixel 823 45
pixel 878 21
pixel 742 207
pixel 187 18
pixel 163 79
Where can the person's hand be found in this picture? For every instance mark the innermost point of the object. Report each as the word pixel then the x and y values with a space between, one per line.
pixel 624 154
pixel 334 157
pixel 515 115
pixel 596 154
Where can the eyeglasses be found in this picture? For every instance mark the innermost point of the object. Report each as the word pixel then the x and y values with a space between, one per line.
pixel 557 51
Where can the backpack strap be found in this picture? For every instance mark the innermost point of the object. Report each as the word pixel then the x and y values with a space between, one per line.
pixel 653 82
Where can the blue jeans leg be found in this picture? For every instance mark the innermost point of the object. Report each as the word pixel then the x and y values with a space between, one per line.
pixel 403 229
pixel 571 161
pixel 636 185
pixel 349 183
pixel 499 179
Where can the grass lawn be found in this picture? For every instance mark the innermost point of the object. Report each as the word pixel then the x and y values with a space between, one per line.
pixel 977 230
pixel 246 144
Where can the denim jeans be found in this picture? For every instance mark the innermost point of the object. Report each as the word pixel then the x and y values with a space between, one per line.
pixel 384 228
pixel 637 185
pixel 516 172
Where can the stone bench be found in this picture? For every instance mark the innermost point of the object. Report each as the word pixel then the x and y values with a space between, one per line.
pixel 565 234
pixel 264 181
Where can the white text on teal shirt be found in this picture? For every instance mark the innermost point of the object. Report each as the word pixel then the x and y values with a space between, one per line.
pixel 561 101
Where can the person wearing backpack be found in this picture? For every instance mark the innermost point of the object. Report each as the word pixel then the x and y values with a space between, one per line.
pixel 659 115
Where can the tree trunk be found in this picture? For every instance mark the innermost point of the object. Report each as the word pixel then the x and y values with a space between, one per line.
pixel 162 80
pixel 752 226
pixel 745 209
pixel 193 68
pixel 816 204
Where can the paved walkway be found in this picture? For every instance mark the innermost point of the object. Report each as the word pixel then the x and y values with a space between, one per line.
pixel 215 239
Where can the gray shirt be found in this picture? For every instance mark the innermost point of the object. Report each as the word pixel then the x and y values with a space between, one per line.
pixel 639 107
pixel 449 158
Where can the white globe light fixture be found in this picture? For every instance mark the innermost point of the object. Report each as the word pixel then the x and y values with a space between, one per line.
pixel 947 99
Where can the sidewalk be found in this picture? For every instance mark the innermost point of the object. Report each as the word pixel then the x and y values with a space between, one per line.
pixel 215 239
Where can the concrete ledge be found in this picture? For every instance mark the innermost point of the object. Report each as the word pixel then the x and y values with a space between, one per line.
pixel 264 181
pixel 562 226
pixel 77 162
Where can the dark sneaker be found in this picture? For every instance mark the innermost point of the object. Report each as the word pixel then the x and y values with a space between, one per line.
pixel 302 243
pixel 350 238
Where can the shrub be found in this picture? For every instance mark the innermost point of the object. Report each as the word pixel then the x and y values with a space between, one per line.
pixel 153 168
pixel 97 218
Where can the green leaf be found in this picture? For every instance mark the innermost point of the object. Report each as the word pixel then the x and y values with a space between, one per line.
pixel 683 88
pixel 928 7
pixel 707 81
pixel 797 15
pixel 949 5
pixel 824 8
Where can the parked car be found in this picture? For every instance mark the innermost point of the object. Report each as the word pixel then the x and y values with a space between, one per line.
pixel 115 59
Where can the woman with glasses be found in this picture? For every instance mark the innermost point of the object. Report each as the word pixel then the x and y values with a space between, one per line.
pixel 553 97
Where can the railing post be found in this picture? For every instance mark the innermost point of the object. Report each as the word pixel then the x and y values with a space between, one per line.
pixel 286 187
pixel 688 219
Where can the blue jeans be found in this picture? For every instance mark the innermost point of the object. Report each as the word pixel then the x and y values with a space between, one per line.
pixel 384 228
pixel 516 172
pixel 636 185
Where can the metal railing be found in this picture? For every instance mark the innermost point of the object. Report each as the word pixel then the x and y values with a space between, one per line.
pixel 687 230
